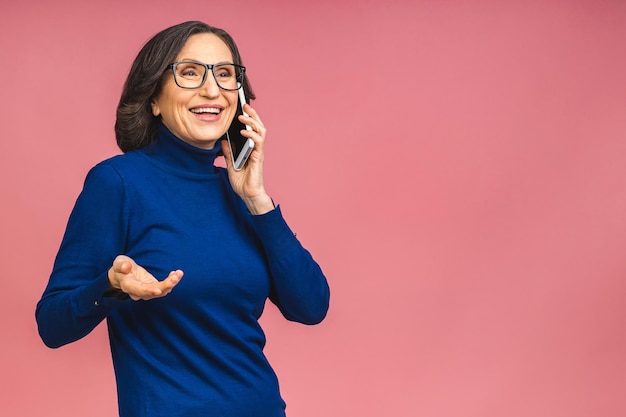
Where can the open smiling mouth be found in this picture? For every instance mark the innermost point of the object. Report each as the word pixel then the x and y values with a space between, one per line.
pixel 211 110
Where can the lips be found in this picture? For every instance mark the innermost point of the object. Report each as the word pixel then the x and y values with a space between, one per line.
pixel 200 110
pixel 207 113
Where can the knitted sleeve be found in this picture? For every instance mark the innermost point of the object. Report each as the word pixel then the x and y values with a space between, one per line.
pixel 73 303
pixel 299 288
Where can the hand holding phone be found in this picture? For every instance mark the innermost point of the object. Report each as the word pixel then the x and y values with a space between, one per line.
pixel 241 147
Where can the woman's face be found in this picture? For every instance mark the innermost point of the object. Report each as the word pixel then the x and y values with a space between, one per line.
pixel 181 108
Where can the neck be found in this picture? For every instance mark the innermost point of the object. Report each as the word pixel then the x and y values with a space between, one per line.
pixel 170 150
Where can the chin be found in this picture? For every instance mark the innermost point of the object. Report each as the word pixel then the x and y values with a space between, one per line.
pixel 209 135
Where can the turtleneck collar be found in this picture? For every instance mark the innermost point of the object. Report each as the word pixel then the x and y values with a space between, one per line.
pixel 176 154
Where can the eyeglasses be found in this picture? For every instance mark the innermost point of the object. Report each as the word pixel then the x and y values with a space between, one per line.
pixel 192 74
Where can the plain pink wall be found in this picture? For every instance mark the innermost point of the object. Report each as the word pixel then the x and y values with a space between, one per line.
pixel 458 168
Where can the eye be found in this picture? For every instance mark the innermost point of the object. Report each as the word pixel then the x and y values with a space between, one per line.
pixel 190 70
pixel 224 71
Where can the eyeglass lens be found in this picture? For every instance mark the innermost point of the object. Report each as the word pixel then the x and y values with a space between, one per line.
pixel 193 75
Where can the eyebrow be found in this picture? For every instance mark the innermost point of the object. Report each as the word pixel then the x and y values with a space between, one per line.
pixel 195 60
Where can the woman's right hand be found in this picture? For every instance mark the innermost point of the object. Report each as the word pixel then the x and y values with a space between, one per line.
pixel 139 284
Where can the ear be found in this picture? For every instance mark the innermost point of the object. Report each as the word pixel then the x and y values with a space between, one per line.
pixel 155 108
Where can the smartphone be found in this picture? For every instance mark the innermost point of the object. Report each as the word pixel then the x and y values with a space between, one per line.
pixel 241 147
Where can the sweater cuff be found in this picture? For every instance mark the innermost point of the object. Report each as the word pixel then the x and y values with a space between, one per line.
pixel 276 236
pixel 93 301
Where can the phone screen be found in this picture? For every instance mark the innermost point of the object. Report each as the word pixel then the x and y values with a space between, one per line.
pixel 237 142
pixel 240 145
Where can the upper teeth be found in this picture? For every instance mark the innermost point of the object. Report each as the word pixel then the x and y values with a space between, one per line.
pixel 206 110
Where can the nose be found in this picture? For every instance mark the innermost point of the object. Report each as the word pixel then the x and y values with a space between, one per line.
pixel 210 87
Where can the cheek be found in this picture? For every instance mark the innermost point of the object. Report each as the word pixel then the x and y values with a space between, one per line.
pixel 172 100
pixel 233 102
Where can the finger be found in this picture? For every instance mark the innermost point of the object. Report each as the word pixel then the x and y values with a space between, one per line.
pixel 253 114
pixel 227 154
pixel 226 148
pixel 143 292
pixel 253 120
pixel 172 279
pixel 146 294
pixel 248 122
pixel 166 286
pixel 256 126
pixel 257 134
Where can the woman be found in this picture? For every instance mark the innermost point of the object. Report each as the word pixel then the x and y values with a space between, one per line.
pixel 182 345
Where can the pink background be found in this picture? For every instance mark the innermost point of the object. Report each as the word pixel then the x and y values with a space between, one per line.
pixel 458 168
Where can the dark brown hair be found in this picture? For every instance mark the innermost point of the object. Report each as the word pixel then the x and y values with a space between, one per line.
pixel 135 125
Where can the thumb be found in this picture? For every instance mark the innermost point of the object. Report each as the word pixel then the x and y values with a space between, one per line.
pixel 227 152
pixel 123 264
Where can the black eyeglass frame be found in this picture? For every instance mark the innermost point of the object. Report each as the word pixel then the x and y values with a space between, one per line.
pixel 209 67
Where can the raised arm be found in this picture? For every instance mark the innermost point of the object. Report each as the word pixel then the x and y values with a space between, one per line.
pixel 299 288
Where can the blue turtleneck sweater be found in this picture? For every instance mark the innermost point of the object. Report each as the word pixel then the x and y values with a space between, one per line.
pixel 199 350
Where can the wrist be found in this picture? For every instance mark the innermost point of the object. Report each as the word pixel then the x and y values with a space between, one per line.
pixel 114 291
pixel 260 204
pixel 113 283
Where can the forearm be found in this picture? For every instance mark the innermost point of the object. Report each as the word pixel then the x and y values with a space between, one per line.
pixel 73 302
pixel 299 288
pixel 65 315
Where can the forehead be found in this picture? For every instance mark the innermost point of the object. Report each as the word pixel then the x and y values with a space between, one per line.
pixel 205 47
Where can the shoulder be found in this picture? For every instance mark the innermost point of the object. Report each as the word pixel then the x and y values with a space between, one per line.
pixel 113 172
pixel 121 162
pixel 120 165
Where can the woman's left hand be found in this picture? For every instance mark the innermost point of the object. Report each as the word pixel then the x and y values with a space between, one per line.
pixel 248 182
